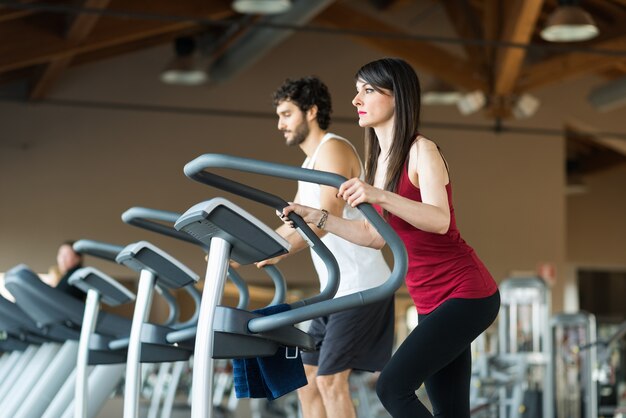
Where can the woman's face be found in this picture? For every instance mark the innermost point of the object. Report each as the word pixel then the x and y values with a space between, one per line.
pixel 67 258
pixel 375 108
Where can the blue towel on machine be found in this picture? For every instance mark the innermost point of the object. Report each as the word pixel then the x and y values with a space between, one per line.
pixel 269 377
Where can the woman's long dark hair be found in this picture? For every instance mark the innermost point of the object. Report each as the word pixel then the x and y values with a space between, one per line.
pixel 398 77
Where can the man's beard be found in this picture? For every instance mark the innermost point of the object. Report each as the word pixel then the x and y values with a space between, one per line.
pixel 299 134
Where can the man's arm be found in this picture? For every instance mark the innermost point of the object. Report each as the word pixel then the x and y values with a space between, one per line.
pixel 334 156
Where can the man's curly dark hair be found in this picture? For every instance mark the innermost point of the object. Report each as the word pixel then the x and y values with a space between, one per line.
pixel 305 93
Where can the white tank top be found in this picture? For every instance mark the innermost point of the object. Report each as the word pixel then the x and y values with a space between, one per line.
pixel 360 267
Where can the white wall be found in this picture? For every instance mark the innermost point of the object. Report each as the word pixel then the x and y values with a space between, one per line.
pixel 597 221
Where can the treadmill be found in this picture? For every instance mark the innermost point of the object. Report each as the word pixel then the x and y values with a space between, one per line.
pixel 231 232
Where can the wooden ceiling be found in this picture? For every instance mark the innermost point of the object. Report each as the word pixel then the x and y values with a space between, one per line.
pixel 589 154
pixel 492 45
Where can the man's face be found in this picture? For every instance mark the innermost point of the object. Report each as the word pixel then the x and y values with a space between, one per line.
pixel 292 123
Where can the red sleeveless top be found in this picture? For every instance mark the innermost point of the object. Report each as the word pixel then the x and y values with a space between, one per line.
pixel 441 267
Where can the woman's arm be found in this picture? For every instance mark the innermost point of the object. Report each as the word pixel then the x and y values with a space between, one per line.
pixel 359 231
pixel 426 165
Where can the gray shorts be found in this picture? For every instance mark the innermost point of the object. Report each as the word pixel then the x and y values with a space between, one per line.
pixel 358 339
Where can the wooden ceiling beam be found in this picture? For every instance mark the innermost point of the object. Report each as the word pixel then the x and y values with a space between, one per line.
pixel 422 55
pixel 78 30
pixel 467 25
pixel 129 47
pixel 21 74
pixel 83 24
pixel 520 21
pixel 491 13
pixel 570 65
pixel 49 48
pixel 607 12
pixel 600 161
pixel 399 4
pixel 42 47
pixel 8 13
pixel 615 72
pixel 50 74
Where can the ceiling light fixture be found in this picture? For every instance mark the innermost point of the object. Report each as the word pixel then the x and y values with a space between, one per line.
pixel 263 7
pixel 471 102
pixel 525 106
pixel 569 23
pixel 185 68
pixel 439 93
pixel 434 98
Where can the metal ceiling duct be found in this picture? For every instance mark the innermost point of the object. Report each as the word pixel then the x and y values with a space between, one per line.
pixel 609 96
pixel 259 40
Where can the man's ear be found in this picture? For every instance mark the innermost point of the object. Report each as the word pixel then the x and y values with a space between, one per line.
pixel 311 114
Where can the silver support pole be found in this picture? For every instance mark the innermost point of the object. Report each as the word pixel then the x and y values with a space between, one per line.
pixel 14 374
pixel 29 377
pixel 7 365
pixel 45 390
pixel 132 388
pixel 592 335
pixel 62 399
pixel 513 327
pixel 157 394
pixel 546 348
pixel 168 403
pixel 538 324
pixel 90 317
pixel 102 382
pixel 3 362
pixel 201 389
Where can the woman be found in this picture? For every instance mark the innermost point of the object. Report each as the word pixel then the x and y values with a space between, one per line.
pixel 408 182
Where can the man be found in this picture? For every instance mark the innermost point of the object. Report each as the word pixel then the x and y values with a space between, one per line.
pixel 359 338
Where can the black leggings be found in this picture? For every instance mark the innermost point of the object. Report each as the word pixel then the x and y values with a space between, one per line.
pixel 437 353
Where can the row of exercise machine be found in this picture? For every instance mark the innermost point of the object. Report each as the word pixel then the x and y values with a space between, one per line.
pixel 63 358
pixel 546 365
